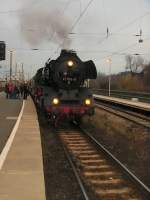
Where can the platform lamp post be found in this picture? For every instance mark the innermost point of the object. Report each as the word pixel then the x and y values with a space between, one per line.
pixel 10 63
pixel 109 61
pixel 11 60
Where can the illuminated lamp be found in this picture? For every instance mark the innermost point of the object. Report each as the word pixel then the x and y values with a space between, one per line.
pixel 55 101
pixel 87 102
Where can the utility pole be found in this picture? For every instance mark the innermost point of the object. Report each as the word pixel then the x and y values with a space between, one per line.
pixel 11 60
pixel 22 72
pixel 88 83
pixel 80 6
pixel 16 73
pixel 28 76
pixel 109 61
pixel 19 75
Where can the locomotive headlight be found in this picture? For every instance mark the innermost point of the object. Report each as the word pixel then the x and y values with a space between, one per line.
pixel 70 63
pixel 55 101
pixel 87 102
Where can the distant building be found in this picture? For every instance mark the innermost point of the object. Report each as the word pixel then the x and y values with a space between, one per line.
pixel 2 84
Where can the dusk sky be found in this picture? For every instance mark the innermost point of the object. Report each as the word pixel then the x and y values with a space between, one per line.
pixel 97 30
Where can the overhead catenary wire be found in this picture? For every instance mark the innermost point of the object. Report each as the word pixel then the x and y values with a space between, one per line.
pixel 124 27
pixel 74 24
pixel 113 34
pixel 126 48
pixel 109 34
pixel 105 19
pixel 66 6
pixel 17 11
pixel 127 25
pixel 133 21
pixel 81 15
pixel 63 11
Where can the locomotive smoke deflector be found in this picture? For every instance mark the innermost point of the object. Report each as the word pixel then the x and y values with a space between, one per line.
pixel 90 70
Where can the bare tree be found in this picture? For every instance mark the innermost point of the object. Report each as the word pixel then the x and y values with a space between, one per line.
pixel 134 63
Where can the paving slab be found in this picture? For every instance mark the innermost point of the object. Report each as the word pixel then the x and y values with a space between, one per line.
pixel 9 111
pixel 22 177
pixel 137 104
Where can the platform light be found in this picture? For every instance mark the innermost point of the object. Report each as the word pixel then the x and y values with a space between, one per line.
pixel 88 102
pixel 70 63
pixel 55 101
pixel 109 61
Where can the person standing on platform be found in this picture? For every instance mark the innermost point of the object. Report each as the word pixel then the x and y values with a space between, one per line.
pixel 25 91
pixel 6 91
pixel 16 92
pixel 21 90
pixel 10 89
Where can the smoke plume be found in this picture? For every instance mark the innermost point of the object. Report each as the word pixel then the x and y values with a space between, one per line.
pixel 40 26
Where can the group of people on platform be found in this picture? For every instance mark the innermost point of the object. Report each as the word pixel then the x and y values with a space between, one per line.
pixel 14 91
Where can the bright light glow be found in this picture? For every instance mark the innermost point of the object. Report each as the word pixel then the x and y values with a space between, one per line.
pixel 109 60
pixel 88 101
pixel 70 63
pixel 55 101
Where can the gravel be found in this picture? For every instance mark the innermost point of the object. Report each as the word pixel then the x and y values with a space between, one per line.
pixel 129 142
pixel 60 182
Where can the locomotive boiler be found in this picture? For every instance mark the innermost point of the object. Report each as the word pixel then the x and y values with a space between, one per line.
pixel 60 88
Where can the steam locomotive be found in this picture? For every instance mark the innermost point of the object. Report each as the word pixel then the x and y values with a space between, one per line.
pixel 59 87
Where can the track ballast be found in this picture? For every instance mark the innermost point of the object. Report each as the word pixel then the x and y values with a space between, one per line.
pixel 100 175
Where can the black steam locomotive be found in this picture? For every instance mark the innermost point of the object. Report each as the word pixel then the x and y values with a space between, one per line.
pixel 60 89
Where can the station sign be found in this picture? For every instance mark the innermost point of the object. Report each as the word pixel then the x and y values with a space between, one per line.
pixel 2 50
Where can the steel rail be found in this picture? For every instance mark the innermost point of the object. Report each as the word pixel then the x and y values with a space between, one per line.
pixel 122 109
pixel 76 174
pixel 132 177
pixel 133 113
pixel 129 116
pixel 125 105
pixel 142 96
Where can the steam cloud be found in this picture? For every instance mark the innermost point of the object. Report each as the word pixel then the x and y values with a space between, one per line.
pixel 39 26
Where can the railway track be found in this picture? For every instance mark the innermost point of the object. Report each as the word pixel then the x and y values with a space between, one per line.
pixel 142 96
pixel 130 115
pixel 96 168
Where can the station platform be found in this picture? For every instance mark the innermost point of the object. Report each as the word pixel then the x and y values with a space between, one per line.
pixel 21 164
pixel 131 103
